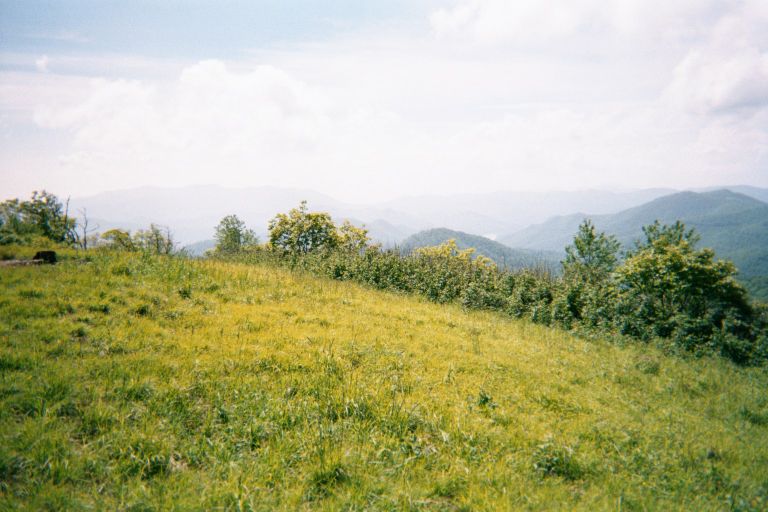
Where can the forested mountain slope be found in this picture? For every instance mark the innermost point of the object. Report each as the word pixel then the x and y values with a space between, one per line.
pixel 733 224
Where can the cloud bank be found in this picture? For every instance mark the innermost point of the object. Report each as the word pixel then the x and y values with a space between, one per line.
pixel 486 95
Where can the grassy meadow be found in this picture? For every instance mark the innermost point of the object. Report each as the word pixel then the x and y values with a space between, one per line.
pixel 136 382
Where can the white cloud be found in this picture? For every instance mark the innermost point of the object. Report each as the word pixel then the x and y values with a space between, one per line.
pixel 728 71
pixel 207 110
pixel 612 145
pixel 634 93
pixel 527 22
pixel 493 21
pixel 42 64
pixel 214 123
pixel 716 81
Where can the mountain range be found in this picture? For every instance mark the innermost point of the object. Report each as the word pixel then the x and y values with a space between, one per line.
pixel 193 212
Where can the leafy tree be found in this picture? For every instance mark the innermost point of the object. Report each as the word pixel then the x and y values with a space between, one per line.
pixel 43 215
pixel 119 239
pixel 587 287
pixel 49 215
pixel 13 228
pixel 351 238
pixel 592 256
pixel 669 288
pixel 232 235
pixel 300 231
pixel 156 240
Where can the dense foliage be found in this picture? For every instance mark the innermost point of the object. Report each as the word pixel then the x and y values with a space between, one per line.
pixel 155 240
pixel 670 289
pixel 503 256
pixel 733 224
pixel 43 216
pixel 300 231
pixel 44 221
pixel 664 289
pixel 232 235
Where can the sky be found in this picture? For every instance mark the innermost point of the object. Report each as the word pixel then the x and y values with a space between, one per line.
pixel 371 100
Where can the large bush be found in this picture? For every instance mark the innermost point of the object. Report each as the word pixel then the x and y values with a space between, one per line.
pixel 668 288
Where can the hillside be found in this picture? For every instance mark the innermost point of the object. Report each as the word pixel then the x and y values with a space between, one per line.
pixel 733 224
pixel 137 382
pixel 503 256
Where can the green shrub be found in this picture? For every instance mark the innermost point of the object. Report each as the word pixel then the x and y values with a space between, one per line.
pixel 322 483
pixel 550 459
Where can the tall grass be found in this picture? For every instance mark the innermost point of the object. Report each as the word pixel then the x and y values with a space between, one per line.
pixel 151 383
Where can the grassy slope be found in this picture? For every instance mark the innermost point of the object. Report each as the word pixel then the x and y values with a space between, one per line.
pixel 129 382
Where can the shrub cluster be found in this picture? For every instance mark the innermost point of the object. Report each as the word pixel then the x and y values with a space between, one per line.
pixel 155 240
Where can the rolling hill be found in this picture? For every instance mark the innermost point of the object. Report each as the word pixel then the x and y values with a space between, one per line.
pixel 150 383
pixel 733 224
pixel 503 256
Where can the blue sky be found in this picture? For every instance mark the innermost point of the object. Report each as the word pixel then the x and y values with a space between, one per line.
pixel 369 100
pixel 190 28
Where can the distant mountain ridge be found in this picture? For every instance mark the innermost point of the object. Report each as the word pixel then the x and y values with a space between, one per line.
pixel 731 223
pixel 193 212
pixel 730 219
pixel 502 255
pixel 199 248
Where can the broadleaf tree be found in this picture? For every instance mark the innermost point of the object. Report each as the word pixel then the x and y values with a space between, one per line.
pixel 300 231
pixel 232 235
pixel 670 288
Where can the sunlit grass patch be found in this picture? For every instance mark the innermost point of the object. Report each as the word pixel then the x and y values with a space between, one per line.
pixel 250 386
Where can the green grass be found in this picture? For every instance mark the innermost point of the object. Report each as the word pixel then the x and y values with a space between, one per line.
pixel 139 383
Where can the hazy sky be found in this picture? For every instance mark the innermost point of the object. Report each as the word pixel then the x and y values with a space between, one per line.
pixel 368 100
